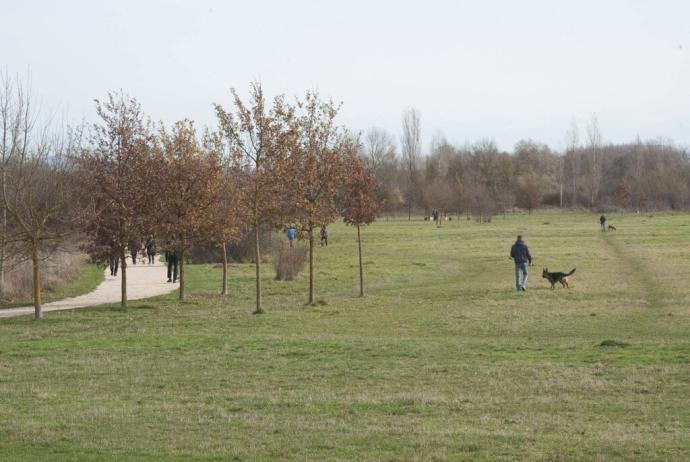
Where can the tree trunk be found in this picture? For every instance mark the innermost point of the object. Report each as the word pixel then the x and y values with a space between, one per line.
pixel 38 313
pixel 257 258
pixel 224 290
pixel 3 235
pixel 361 267
pixel 181 263
pixel 311 266
pixel 123 271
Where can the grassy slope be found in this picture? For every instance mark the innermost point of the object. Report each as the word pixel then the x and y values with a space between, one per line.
pixel 88 279
pixel 442 359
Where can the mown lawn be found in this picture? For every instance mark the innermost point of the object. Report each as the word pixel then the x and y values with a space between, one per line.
pixel 442 360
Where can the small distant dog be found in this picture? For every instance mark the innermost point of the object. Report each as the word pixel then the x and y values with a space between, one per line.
pixel 553 278
pixel 612 228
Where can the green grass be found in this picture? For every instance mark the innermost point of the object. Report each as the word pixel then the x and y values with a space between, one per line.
pixel 442 360
pixel 88 279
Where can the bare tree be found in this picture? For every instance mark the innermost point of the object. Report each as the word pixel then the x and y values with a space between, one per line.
pixel 594 144
pixel 37 196
pixel 379 148
pixel 572 143
pixel 410 142
pixel 17 119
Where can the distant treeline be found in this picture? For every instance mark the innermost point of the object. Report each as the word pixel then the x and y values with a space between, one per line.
pixel 478 179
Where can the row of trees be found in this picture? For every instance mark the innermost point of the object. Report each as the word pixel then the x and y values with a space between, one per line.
pixel 124 179
pixel 480 180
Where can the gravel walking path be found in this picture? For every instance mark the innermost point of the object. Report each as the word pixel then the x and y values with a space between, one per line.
pixel 143 281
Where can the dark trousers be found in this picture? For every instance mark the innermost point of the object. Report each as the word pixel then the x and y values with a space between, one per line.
pixel 114 262
pixel 152 258
pixel 172 269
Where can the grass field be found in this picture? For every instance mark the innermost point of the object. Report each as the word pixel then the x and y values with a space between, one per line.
pixel 442 360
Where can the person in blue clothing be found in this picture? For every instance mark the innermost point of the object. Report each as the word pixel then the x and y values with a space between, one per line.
pixel 522 258
pixel 291 234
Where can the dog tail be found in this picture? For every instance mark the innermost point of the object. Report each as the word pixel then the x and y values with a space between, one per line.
pixel 571 272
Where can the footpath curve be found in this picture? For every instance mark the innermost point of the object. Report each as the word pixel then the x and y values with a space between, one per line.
pixel 143 281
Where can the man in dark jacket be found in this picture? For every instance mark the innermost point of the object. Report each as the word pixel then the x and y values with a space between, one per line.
pixel 172 258
pixel 520 254
pixel 602 222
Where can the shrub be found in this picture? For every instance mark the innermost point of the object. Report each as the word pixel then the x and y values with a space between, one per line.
pixel 289 262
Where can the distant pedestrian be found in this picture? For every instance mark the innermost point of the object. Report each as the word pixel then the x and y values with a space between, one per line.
pixel 602 222
pixel 324 236
pixel 151 250
pixel 172 258
pixel 113 262
pixel 291 234
pixel 134 248
pixel 520 254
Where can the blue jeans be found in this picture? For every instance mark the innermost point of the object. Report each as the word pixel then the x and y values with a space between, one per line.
pixel 521 267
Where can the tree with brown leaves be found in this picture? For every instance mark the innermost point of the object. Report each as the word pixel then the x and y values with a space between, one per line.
pixel 228 216
pixel 190 190
pixel 319 164
pixel 360 204
pixel 116 172
pixel 262 138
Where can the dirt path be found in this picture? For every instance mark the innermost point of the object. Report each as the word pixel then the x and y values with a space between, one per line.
pixel 143 281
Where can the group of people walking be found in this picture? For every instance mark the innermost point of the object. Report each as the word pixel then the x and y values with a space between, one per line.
pixel 292 235
pixel 148 251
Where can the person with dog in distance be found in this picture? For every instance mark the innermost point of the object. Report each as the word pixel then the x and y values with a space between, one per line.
pixel 602 222
pixel 520 254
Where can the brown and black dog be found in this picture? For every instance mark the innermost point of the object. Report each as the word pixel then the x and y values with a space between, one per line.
pixel 553 278
pixel 612 228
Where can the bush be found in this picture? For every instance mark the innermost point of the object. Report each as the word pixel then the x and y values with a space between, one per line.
pixel 57 268
pixel 243 250
pixel 289 262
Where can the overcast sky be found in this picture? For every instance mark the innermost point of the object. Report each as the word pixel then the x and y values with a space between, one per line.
pixel 505 70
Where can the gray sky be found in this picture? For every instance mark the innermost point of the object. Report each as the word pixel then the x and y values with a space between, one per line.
pixel 505 70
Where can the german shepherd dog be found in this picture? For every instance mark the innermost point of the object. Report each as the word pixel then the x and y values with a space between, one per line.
pixel 612 228
pixel 553 278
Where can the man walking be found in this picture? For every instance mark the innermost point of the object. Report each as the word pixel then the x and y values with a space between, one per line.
pixel 171 257
pixel 602 222
pixel 520 254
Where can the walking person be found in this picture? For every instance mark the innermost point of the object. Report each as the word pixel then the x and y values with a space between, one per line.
pixel 134 247
pixel 522 258
pixel 151 250
pixel 113 262
pixel 172 258
pixel 324 236
pixel 291 234
pixel 602 222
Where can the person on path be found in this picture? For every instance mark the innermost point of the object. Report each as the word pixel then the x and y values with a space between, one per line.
pixel 151 250
pixel 113 262
pixel 520 254
pixel 134 247
pixel 172 258
pixel 602 222
pixel 324 236
pixel 291 234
